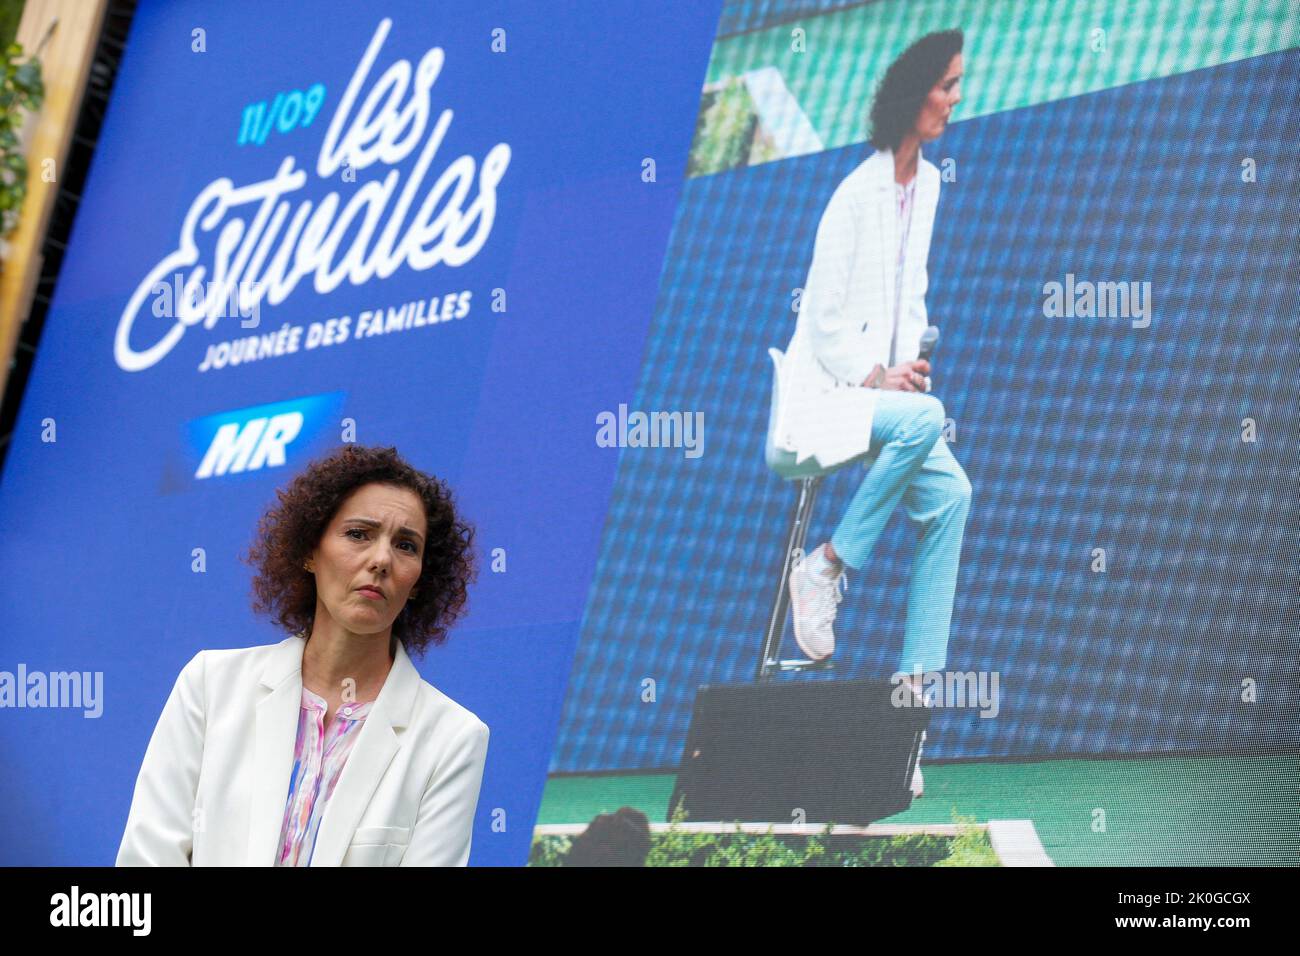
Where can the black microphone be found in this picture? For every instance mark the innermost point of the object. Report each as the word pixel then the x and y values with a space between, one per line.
pixel 929 342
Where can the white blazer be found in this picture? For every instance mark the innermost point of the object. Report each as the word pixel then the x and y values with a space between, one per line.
pixel 215 778
pixel 846 314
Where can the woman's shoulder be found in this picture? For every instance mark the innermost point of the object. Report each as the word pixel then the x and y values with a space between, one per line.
pixel 439 708
pixel 228 662
pixel 872 180
pixel 862 178
pixel 258 652
pixel 930 171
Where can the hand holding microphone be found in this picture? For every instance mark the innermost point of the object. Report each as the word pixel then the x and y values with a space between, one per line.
pixel 909 376
pixel 929 342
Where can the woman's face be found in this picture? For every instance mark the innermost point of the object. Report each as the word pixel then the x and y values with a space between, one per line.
pixel 937 108
pixel 375 539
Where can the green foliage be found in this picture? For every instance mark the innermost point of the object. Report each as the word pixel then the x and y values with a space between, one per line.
pixel 723 130
pixel 21 88
pixel 677 847
pixel 548 851
pixel 971 847
pixel 728 133
pixel 11 13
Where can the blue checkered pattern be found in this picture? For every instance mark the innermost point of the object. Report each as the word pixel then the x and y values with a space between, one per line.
pixel 741 16
pixel 1076 433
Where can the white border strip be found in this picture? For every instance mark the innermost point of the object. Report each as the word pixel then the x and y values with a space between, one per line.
pixel 1016 843
pixel 796 829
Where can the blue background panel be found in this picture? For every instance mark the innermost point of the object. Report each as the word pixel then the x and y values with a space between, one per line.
pixel 100 526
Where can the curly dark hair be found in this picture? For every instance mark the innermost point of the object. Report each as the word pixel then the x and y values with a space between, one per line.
pixel 907 83
pixel 289 531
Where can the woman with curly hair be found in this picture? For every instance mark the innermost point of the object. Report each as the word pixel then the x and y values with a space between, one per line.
pixel 328 748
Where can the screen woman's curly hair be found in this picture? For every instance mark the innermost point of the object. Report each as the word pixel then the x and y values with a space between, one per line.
pixel 290 530
pixel 907 83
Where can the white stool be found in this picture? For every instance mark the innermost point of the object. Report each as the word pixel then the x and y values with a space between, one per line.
pixel 808 477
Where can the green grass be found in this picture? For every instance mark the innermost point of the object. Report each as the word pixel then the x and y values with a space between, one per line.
pixel 681 848
pixel 1157 811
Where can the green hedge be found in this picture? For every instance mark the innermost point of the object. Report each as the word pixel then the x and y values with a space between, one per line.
pixel 681 848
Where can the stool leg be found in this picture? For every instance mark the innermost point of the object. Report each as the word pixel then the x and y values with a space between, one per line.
pixel 807 495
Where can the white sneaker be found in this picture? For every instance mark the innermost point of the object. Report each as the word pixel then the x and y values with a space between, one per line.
pixel 918 782
pixel 814 600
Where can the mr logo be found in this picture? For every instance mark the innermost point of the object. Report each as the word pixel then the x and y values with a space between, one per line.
pixel 260 436
pixel 258 443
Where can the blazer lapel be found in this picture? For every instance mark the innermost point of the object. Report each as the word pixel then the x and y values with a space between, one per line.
pixel 889 226
pixel 379 740
pixel 908 250
pixel 887 223
pixel 277 733
pixel 924 200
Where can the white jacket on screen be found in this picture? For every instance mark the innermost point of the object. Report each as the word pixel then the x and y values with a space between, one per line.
pixel 846 314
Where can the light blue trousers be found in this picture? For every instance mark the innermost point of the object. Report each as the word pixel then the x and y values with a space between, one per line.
pixel 912 464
